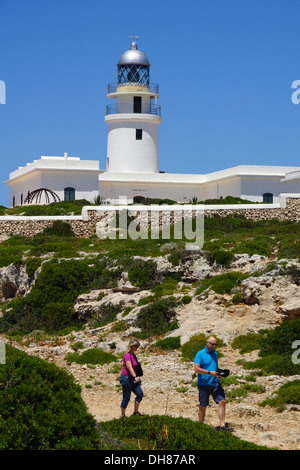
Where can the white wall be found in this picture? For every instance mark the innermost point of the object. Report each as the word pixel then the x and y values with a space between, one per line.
pixel 22 186
pixel 253 188
pixel 125 153
pixel 222 188
pixel 86 185
pixel 177 192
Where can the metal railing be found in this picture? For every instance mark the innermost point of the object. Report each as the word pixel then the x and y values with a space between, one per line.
pixel 152 87
pixel 114 109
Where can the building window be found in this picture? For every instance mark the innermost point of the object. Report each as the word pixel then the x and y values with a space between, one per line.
pixel 69 194
pixel 137 104
pixel 139 134
pixel 22 199
pixel 268 197
pixel 14 201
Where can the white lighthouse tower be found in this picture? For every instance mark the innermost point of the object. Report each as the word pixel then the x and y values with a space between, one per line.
pixel 132 141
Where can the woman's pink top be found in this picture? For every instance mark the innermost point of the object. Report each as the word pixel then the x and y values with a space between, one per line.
pixel 129 357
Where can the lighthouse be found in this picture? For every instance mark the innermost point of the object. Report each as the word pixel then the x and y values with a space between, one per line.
pixel 133 119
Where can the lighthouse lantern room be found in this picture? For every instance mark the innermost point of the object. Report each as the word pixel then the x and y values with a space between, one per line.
pixel 132 140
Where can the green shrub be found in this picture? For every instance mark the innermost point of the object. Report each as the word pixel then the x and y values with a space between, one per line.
pixel 54 208
pixel 50 303
pixel 243 390
pixel 169 344
pixel 59 228
pixel 222 283
pixel 186 299
pixel 32 264
pixel 260 245
pixel 107 313
pixel 176 257
pixel 249 342
pixel 168 433
pixel 275 348
pixel 158 317
pixel 280 339
pixel 294 273
pixel 195 344
pixel 92 356
pixel 41 407
pixel 237 298
pixel 143 274
pixel 220 257
pixel 288 393
pixel 165 288
pixel 274 364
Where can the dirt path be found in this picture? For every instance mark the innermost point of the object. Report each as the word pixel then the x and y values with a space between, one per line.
pixel 167 386
pixel 168 389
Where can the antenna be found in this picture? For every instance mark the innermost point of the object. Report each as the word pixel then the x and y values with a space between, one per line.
pixel 133 40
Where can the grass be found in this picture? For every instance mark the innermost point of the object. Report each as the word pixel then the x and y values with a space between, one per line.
pixel 55 208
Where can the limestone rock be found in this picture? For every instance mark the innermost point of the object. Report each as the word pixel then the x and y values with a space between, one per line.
pixel 14 280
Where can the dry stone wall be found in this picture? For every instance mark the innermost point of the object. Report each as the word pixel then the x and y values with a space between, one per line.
pixel 85 225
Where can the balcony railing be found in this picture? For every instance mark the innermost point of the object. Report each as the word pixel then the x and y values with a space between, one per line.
pixel 125 109
pixel 152 87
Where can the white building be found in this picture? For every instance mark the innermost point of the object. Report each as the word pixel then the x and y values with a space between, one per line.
pixel 132 163
pixel 68 177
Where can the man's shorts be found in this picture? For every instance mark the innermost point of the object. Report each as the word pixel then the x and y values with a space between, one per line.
pixel 216 391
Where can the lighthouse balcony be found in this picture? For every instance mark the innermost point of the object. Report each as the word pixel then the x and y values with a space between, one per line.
pixel 133 87
pixel 154 110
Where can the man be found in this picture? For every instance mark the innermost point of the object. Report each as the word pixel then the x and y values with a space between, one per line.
pixel 206 365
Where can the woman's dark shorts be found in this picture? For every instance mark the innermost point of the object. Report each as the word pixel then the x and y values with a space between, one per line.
pixel 216 391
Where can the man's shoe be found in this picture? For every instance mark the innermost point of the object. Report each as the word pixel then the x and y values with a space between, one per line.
pixel 224 428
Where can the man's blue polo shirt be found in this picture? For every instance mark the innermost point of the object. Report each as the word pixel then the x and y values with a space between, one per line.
pixel 207 361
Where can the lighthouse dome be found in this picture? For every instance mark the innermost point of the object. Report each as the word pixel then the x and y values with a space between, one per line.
pixel 133 56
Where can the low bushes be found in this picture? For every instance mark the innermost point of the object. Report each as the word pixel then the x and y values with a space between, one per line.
pixel 50 303
pixel 169 344
pixel 220 257
pixel 280 339
pixel 168 433
pixel 159 317
pixel 195 344
pixel 107 313
pixel 276 350
pixel 249 342
pixel 142 273
pixel 288 393
pixel 41 407
pixel 222 283
pixel 92 356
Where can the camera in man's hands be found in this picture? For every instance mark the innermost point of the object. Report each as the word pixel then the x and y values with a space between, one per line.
pixel 223 372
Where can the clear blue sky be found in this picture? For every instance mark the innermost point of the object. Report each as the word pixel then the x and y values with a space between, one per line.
pixel 225 70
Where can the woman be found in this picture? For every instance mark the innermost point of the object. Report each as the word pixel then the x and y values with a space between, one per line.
pixel 129 380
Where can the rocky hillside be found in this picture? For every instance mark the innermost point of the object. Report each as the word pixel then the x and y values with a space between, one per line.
pixel 245 294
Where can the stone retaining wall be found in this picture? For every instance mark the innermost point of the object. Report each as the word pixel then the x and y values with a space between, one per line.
pixel 85 225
